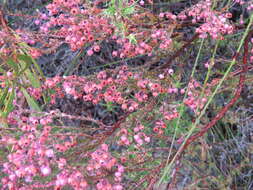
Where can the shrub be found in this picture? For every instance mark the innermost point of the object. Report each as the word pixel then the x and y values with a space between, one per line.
pixel 158 114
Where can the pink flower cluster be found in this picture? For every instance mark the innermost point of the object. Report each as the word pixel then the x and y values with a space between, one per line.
pixel 138 134
pixel 158 39
pixel 8 42
pixel 123 137
pixel 101 161
pixel 170 116
pixel 79 26
pixel 31 155
pixel 107 87
pixel 215 24
pixel 71 177
pixel 168 15
pixel 34 154
pixel 82 24
pixel 159 126
pixel 193 99
pixel 130 49
pixel 38 149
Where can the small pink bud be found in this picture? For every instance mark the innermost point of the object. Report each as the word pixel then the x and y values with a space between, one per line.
pixel 90 52
pixel 136 129
pixel 142 2
pixel 206 65
pixel 170 71
pixel 96 48
pixel 140 142
pixel 45 170
pixel 123 138
pixel 104 147
pixel 49 153
pixel 9 74
pixel 121 168
pixel 175 90
pixel 114 53
pixel 180 140
pixel 117 187
pixel 170 90
pixel 161 15
pixel 117 174
pixel 131 109
pixel 161 76
pixel 155 94
pixel 204 100
pixel 147 139
pixel 12 177
pixel 60 182
pixel 37 22
pixel 136 137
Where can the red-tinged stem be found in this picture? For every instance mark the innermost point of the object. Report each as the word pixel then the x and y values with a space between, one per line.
pixel 231 103
pixel 225 109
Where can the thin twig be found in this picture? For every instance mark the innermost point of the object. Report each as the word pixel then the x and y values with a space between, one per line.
pixel 232 101
pixel 178 52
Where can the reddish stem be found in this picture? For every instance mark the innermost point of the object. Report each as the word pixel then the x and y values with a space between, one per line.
pixel 232 101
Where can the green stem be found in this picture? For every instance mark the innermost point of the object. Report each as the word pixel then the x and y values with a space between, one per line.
pixel 181 110
pixel 232 63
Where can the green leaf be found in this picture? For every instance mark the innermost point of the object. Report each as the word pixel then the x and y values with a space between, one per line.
pixel 25 62
pixel 3 96
pixel 12 64
pixel 34 80
pixel 127 11
pixel 132 39
pixel 178 84
pixel 121 28
pixel 110 11
pixel 2 70
pixel 31 102
pixel 9 104
pixel 109 106
pixel 28 62
pixel 27 59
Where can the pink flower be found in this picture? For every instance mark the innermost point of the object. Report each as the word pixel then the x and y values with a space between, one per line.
pixel 96 48
pixel 45 170
pixel 117 187
pixel 37 22
pixel 170 71
pixel 90 52
pixel 117 174
pixel 49 153
pixel 147 139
